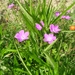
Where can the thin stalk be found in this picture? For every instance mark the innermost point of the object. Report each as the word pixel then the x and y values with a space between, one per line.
pixel 22 61
pixel 50 60
pixel 49 46
pixel 68 31
pixel 30 6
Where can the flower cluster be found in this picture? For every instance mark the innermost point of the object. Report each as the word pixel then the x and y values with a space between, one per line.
pixel 67 17
pixel 21 35
pixel 49 38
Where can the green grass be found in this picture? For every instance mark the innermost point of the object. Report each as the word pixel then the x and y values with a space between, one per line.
pixel 34 56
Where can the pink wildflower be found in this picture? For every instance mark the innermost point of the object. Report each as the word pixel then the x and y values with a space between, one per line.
pixel 42 23
pixel 49 38
pixel 57 14
pixel 38 26
pixel 67 17
pixel 63 17
pixel 68 11
pixel 54 28
pixel 11 5
pixel 21 35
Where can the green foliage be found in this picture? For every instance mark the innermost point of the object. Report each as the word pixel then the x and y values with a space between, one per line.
pixel 33 56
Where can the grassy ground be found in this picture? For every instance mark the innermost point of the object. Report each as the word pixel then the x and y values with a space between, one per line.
pixel 34 56
pixel 5 11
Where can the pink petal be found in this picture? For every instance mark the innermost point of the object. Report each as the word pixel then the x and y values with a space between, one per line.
pixel 54 38
pixel 21 36
pixel 54 28
pixel 45 35
pixel 68 11
pixel 67 17
pixel 63 17
pixel 50 42
pixel 21 32
pixel 49 38
pixel 51 27
pixel 26 33
pixel 57 14
pixel 17 34
pixel 11 5
pixel 42 23
pixel 38 26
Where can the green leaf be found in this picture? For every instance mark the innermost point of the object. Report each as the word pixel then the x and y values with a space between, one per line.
pixel 0 29
pixel 25 12
pixel 50 60
pixel 5 51
pixel 15 61
pixel 49 46
pixel 19 70
pixel 1 42
pixel 35 57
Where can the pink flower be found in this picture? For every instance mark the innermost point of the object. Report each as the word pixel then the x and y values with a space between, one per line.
pixel 68 11
pixel 54 28
pixel 11 5
pixel 21 35
pixel 57 14
pixel 49 38
pixel 38 26
pixel 67 17
pixel 42 23
pixel 63 17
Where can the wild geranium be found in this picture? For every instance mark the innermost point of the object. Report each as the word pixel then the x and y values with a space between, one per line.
pixel 42 23
pixel 38 26
pixel 11 5
pixel 63 17
pixel 49 38
pixel 57 14
pixel 68 11
pixel 66 17
pixel 21 35
pixel 54 28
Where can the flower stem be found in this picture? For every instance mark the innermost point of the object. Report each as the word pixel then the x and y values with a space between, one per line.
pixel 31 6
pixel 22 60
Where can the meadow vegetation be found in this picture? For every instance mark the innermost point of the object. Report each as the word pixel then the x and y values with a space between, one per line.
pixel 38 38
